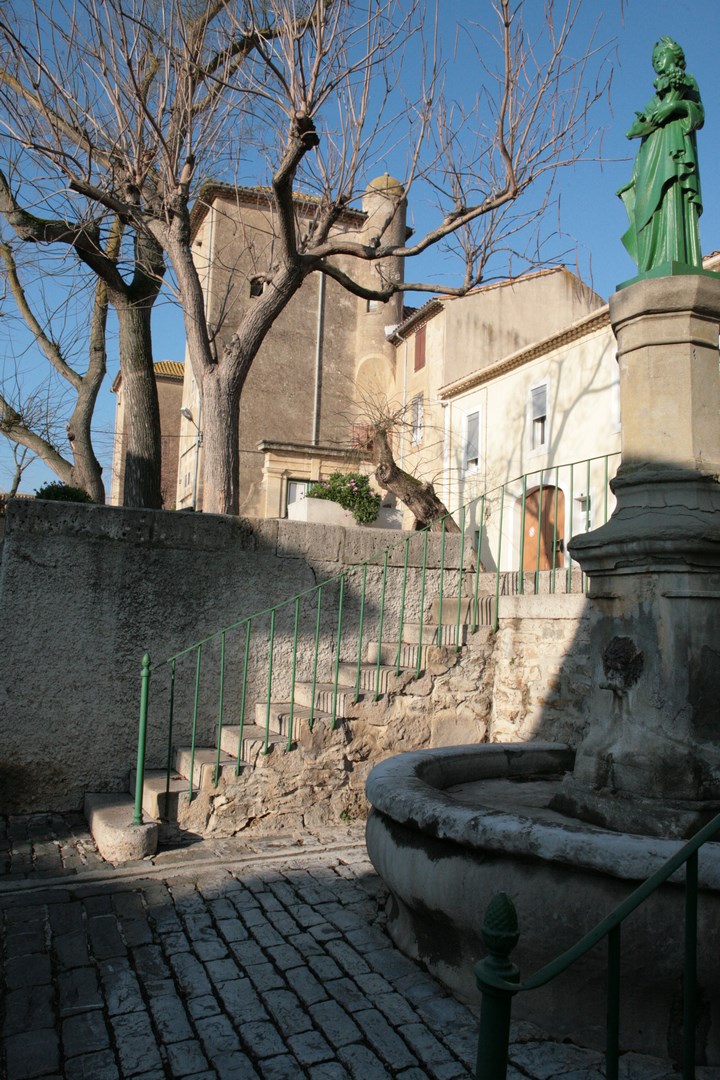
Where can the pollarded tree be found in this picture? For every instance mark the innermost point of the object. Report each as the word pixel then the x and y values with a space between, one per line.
pixel 135 103
pixel 97 244
pixel 34 413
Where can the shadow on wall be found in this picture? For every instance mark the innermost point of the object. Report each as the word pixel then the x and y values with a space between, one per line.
pixel 85 589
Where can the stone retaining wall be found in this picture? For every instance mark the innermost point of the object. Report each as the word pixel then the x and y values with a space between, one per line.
pixel 527 681
pixel 84 590
pixel 541 669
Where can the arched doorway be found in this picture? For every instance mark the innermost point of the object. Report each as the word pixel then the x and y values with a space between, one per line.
pixel 544 514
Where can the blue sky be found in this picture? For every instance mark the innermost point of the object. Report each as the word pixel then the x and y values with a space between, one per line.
pixel 591 216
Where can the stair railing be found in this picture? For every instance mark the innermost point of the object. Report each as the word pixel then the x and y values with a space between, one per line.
pixel 498 979
pixel 248 657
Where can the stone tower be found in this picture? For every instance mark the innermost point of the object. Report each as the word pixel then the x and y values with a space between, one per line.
pixel 385 205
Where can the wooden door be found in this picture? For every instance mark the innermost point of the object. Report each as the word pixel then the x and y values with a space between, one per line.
pixel 543 508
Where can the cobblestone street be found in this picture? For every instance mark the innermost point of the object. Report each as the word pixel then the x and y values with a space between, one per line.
pixel 229 959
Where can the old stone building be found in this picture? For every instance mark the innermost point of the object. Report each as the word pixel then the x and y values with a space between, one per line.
pixel 299 400
pixel 169 380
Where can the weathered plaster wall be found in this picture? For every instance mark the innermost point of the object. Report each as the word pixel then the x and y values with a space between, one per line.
pixel 85 589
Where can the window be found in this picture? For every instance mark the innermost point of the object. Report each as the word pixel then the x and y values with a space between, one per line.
pixel 538 416
pixel 257 286
pixel 296 491
pixel 420 348
pixel 416 413
pixel 362 437
pixel 373 305
pixel 471 449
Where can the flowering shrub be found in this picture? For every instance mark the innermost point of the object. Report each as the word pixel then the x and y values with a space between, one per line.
pixel 352 492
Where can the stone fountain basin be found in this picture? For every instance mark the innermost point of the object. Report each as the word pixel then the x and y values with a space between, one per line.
pixel 451 827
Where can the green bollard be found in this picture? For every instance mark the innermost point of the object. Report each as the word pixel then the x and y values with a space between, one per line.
pixel 500 934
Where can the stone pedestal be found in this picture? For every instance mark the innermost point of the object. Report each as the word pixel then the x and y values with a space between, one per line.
pixel 651 759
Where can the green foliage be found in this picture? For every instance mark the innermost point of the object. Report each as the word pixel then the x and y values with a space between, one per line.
pixel 62 493
pixel 352 491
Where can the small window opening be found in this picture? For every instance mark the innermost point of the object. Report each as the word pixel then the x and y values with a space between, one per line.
pixel 539 416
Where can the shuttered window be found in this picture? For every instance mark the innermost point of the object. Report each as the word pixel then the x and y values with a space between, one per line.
pixel 471 455
pixel 538 406
pixel 417 420
pixel 420 348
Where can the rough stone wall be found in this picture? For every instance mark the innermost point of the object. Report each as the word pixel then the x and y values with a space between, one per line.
pixel 542 669
pixel 84 590
pixel 528 680
pixel 322 780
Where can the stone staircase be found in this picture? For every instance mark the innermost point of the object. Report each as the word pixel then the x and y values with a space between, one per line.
pixel 165 802
pixel 245 771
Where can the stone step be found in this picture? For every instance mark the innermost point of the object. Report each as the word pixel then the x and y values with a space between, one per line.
pixel 162 801
pixel 253 740
pixel 324 693
pixel 432 634
pixel 204 761
pixel 280 716
pixel 485 609
pixel 371 680
pixel 389 654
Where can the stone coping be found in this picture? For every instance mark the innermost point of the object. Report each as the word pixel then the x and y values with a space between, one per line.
pixel 273 537
pixel 410 789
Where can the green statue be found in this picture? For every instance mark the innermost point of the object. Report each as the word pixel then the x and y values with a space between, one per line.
pixel 663 200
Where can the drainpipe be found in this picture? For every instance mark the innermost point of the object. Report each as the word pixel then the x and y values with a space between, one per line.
pixel 447 416
pixel 404 404
pixel 318 360
pixel 198 444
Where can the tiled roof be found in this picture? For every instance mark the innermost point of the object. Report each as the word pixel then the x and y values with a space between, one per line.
pixel 169 367
pixel 212 190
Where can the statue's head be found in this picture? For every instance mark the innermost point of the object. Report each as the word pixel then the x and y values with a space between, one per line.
pixel 666 54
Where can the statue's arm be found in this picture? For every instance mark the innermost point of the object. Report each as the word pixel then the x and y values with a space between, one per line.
pixel 640 127
pixel 685 106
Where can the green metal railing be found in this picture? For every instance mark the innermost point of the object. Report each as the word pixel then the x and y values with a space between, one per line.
pixel 498 979
pixel 310 640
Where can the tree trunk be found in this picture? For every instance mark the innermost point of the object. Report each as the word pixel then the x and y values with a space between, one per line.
pixel 87 471
pixel 420 498
pixel 220 432
pixel 142 413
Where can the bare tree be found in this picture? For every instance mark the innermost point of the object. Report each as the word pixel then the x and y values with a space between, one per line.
pixel 133 102
pixel 98 245
pixel 378 426
pixel 22 459
pixel 33 418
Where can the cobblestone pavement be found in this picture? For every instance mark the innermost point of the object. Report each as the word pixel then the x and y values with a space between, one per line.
pixel 230 959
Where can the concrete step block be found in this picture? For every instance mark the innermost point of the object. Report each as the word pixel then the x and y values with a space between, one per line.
pixel 388 653
pixel 324 694
pixel 204 761
pixel 253 740
pixel 161 800
pixel 371 681
pixel 432 634
pixel 280 716
pixel 110 818
pixel 485 610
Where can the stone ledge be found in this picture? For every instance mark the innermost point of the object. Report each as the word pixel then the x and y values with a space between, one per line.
pixel 543 606
pixel 117 838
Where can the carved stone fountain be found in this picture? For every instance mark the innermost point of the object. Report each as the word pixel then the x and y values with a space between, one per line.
pixel 569 833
